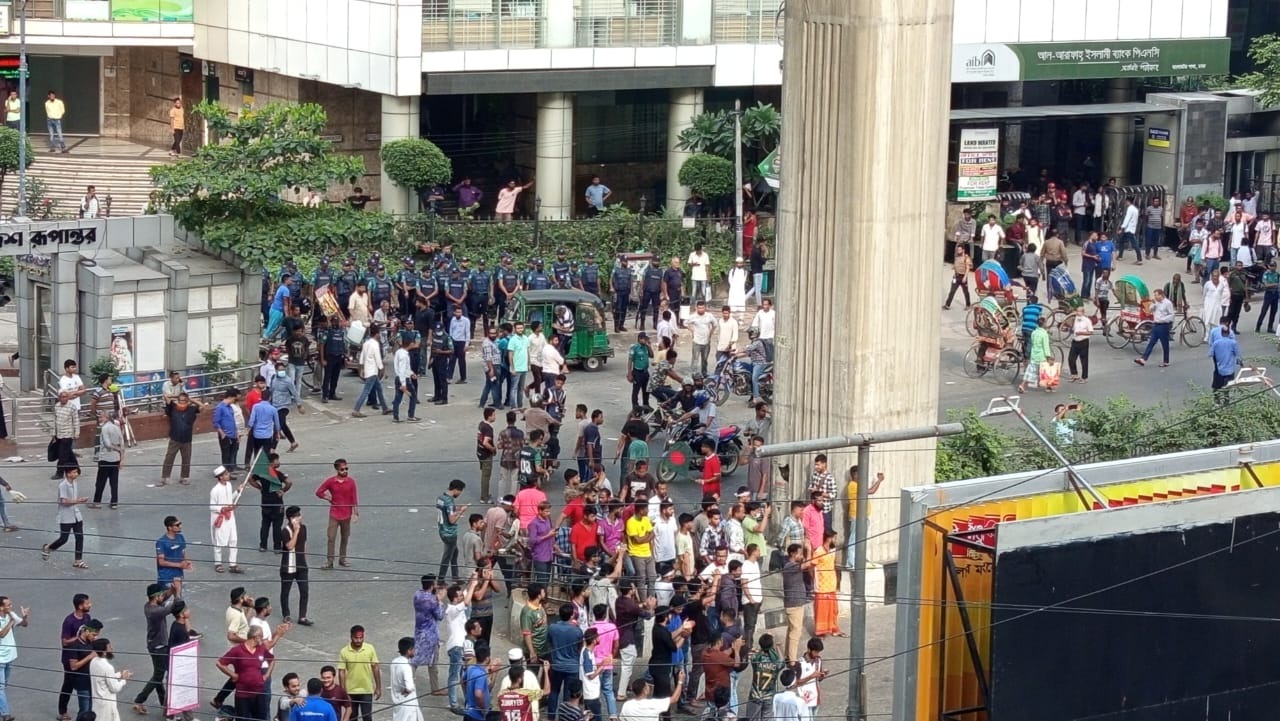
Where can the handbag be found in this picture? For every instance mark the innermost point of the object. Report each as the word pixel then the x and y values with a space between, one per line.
pixel 776 561
pixel 52 454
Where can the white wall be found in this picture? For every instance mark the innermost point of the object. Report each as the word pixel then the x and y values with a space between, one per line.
pixel 373 44
pixel 1011 21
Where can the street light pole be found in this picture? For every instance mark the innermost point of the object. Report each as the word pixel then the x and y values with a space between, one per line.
pixel 857 708
pixel 22 113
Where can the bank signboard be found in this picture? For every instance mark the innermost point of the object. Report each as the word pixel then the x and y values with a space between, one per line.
pixel 1011 62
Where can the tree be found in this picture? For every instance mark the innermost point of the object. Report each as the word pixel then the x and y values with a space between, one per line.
pixel 1264 51
pixel 415 163
pixel 712 132
pixel 9 153
pixel 262 152
pixel 710 176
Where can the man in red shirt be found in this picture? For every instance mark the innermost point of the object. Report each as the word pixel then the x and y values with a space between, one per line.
pixel 574 509
pixel 585 535
pixel 251 399
pixel 344 504
pixel 248 665
pixel 710 470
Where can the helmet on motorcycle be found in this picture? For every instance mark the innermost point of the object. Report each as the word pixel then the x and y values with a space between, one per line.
pixel 535 399
pixel 701 398
pixel 753 332
pixel 699 378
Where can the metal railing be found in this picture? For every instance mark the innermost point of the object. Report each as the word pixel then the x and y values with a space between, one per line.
pixel 148 395
pixel 490 24
pixel 1268 192
pixel 627 23
pixel 481 24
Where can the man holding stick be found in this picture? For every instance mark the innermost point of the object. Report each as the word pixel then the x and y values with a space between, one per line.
pixel 223 498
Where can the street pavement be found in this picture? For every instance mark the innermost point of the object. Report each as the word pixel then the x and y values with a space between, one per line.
pixel 401 469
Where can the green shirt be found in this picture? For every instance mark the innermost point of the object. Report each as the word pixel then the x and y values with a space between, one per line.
pixel 753 533
pixel 639 357
pixel 1040 349
pixel 533 623
pixel 637 449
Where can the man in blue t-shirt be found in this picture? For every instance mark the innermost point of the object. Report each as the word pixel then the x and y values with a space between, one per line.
pixel 171 553
pixel 566 640
pixel 476 681
pixel 1106 250
pixel 279 308
pixel 312 707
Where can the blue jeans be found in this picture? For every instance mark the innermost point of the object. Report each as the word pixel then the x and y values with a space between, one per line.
pixel 492 387
pixel 5 669
pixel 1087 270
pixel 4 523
pixel 55 134
pixel 409 388
pixel 1127 240
pixel 1160 334
pixel 1153 236
pixel 455 677
pixel 515 388
pixel 372 393
pixel 1210 265
pixel 606 692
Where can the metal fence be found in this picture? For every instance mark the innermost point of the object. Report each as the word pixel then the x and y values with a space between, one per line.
pixel 1268 191
pixel 626 23
pixel 637 229
pixel 746 21
pixel 481 24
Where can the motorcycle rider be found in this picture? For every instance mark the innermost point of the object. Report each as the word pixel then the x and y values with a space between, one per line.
pixel 704 410
pixel 756 364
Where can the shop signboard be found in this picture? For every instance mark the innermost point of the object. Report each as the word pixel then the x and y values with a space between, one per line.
pixel 978 169
pixel 141 11
pixel 1158 137
pixel 1012 62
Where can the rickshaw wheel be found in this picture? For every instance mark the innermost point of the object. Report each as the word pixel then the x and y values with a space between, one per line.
pixel 971 367
pixel 1007 366
pixel 592 364
pixel 1192 333
pixel 971 321
pixel 1116 338
pixel 1061 326
pixel 1138 339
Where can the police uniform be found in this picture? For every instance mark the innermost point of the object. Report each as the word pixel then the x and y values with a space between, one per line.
pixel 651 293
pixel 590 277
pixel 507 282
pixel 560 272
pixel 346 286
pixel 441 352
pixel 266 296
pixel 380 287
pixel 620 282
pixel 322 277
pixel 427 287
pixel 333 343
pixel 441 278
pixel 538 279
pixel 479 283
pixel 415 356
pixel 408 282
pixel 455 292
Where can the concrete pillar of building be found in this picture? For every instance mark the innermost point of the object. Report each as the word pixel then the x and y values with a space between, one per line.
pixel 861 134
pixel 1117 134
pixel 399 121
pixel 554 182
pixel 686 104
pixel 1012 145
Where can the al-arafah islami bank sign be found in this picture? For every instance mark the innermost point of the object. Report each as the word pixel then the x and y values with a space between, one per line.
pixel 1011 62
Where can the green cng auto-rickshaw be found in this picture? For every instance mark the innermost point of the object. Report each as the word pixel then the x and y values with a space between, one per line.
pixel 589 344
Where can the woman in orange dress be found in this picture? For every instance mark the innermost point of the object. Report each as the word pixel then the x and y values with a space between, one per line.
pixel 825 614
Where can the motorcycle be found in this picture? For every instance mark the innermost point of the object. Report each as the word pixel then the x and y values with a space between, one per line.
pixel 728 448
pixel 728 377
pixel 658 418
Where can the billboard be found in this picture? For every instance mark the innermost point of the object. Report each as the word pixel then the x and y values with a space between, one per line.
pixel 950 552
pixel 143 11
pixel 978 169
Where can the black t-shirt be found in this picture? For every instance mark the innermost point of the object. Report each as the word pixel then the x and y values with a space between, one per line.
pixel 483 431
pixel 80 649
pixel 290 323
pixel 636 429
pixel 697 613
pixel 299 348
pixel 181 422
pixel 674 280
pixel 358 201
pixel 299 550
pixel 664 646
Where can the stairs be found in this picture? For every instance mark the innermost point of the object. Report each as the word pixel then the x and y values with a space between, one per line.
pixel 126 180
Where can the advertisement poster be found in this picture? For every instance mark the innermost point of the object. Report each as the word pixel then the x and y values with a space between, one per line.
pixel 183 682
pixel 978 172
pixel 122 348
pixel 153 11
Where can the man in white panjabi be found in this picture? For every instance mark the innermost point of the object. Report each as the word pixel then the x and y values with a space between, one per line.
pixel 738 286
pixel 105 681
pixel 222 519
pixel 404 695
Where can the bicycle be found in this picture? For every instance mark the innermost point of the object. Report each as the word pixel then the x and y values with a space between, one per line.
pixel 1189 330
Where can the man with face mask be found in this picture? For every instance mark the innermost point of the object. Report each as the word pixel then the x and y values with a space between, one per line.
pixel 181 413
pixel 285 395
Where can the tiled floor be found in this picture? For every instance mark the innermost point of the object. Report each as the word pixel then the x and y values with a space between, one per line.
pixel 105 147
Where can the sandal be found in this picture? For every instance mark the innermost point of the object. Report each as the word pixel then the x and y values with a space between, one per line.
pixel 10 529
pixel 140 709
pixel 217 568
pixel 80 564
pixel 44 556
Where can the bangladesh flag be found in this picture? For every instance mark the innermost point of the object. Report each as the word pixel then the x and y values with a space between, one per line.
pixel 263 471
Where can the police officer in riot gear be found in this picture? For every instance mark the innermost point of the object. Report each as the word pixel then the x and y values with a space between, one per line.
pixel 381 287
pixel 507 284
pixel 590 278
pixel 560 270
pixel 441 277
pixel 323 275
pixel 455 292
pixel 427 287
pixel 650 292
pixel 479 294
pixel 407 287
pixel 539 280
pixel 346 281
pixel 333 356
pixel 441 352
pixel 620 284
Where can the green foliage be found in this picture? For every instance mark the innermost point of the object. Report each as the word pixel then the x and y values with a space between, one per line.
pixel 1114 430
pixel 303 234
pixel 1215 201
pixel 9 139
pixel 1264 51
pixel 217 364
pixel 263 151
pixel 712 132
pixel 415 163
pixel 103 366
pixel 711 176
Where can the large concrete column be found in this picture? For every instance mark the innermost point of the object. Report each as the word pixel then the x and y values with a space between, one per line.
pixel 399 121
pixel 854 354
pixel 1117 134
pixel 1012 146
pixel 555 155
pixel 686 104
